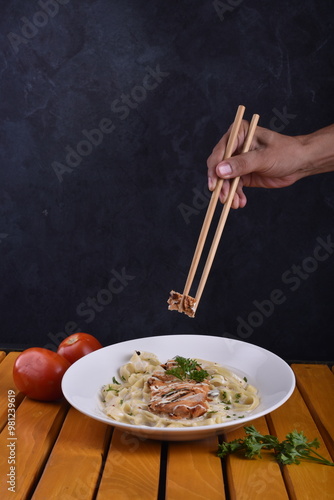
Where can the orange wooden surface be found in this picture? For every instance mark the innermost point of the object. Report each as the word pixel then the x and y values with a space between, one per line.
pixel 82 440
pixel 252 479
pixel 307 480
pixel 194 471
pixel 316 384
pixel 7 384
pixel 132 469
pixel 61 453
pixel 37 427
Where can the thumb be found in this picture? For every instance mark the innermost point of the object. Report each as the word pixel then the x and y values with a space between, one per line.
pixel 236 166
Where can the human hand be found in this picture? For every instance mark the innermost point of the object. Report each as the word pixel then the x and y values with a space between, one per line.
pixel 273 161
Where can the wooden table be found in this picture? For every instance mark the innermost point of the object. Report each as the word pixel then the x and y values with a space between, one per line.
pixel 59 453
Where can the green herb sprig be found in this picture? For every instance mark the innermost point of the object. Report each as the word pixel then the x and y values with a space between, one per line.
pixel 294 449
pixel 187 369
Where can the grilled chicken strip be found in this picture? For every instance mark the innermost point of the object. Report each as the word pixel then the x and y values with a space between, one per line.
pixel 177 398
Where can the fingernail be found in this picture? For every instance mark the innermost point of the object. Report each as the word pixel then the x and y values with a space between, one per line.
pixel 224 169
pixel 212 183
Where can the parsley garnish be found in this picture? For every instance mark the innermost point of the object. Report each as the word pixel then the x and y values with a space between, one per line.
pixel 115 381
pixel 224 399
pixel 290 451
pixel 109 388
pixel 187 369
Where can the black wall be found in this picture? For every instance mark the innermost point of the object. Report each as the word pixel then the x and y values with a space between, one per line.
pixel 102 201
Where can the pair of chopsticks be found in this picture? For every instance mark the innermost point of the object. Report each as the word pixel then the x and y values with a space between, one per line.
pixel 212 205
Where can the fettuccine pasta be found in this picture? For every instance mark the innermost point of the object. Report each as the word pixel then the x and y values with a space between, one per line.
pixel 129 399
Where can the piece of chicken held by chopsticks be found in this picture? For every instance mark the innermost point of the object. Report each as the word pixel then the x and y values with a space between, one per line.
pixel 182 303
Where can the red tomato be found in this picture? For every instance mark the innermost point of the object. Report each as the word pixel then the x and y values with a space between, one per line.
pixel 78 345
pixel 38 373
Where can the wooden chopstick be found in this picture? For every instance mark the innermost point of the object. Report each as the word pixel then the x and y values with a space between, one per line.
pixel 224 214
pixel 212 205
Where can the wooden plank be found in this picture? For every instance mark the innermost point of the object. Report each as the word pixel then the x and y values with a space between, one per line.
pixel 316 384
pixel 76 458
pixel 37 427
pixel 305 481
pixel 2 355
pixel 7 384
pixel 132 469
pixel 254 478
pixel 194 471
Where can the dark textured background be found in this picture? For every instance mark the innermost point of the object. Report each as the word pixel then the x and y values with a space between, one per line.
pixel 121 211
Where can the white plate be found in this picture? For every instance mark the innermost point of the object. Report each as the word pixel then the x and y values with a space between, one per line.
pixel 272 376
